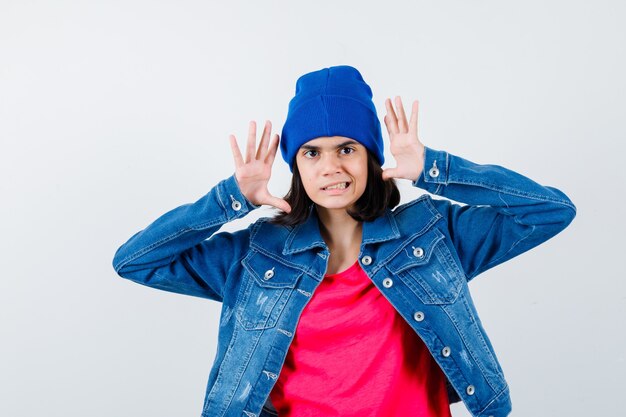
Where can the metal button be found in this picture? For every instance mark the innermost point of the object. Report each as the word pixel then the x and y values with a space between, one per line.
pixel 387 282
pixel 434 172
pixel 366 260
pixel 418 252
pixel 236 205
pixel 269 273
pixel 418 316
pixel 470 390
pixel 445 351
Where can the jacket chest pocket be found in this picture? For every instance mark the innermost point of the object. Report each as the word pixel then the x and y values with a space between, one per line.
pixel 267 286
pixel 427 267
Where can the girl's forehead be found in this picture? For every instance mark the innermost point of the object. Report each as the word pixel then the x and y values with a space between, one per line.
pixel 329 142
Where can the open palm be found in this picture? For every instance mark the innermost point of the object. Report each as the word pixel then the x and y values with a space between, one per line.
pixel 405 146
pixel 253 172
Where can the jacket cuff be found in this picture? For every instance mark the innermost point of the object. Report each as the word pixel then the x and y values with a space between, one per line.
pixel 233 201
pixel 435 173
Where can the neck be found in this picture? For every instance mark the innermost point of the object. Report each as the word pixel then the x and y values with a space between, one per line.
pixel 338 228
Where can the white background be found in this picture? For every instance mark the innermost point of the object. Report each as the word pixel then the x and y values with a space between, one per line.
pixel 114 112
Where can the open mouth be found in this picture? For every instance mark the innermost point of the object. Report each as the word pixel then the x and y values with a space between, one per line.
pixel 339 186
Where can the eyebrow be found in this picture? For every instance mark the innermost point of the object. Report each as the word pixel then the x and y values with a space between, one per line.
pixel 341 145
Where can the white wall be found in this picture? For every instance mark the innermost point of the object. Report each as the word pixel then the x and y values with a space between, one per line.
pixel 113 112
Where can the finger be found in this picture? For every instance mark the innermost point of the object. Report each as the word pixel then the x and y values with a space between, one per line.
pixel 413 121
pixel 392 121
pixel 279 203
pixel 401 115
pixel 236 152
pixel 387 124
pixel 251 140
pixel 271 154
pixel 389 173
pixel 262 150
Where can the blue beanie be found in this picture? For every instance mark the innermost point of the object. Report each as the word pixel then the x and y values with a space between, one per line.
pixel 333 101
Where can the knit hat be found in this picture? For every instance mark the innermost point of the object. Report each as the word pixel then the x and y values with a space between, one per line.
pixel 333 101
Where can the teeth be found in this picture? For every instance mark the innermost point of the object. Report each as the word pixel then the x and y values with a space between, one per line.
pixel 337 186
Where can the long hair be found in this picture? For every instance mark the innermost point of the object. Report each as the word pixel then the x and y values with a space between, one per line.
pixel 379 195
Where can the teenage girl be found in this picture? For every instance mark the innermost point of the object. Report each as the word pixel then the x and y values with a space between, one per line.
pixel 344 304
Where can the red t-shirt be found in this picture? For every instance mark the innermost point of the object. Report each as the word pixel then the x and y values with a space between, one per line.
pixel 354 355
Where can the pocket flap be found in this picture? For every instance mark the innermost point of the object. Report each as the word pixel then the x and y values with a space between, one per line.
pixel 416 251
pixel 268 272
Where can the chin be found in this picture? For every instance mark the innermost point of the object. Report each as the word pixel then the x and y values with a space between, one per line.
pixel 337 206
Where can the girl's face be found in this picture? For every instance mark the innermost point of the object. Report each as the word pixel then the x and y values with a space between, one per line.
pixel 333 171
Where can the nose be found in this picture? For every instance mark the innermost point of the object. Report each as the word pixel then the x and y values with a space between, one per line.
pixel 330 164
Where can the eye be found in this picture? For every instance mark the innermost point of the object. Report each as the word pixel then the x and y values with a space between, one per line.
pixel 348 149
pixel 307 153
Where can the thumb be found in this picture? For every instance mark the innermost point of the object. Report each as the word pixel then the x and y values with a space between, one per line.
pixel 279 203
pixel 389 173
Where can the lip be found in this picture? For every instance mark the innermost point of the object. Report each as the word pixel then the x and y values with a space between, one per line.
pixel 338 191
pixel 335 183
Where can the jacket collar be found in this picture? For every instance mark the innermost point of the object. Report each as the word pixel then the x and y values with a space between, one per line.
pixel 307 235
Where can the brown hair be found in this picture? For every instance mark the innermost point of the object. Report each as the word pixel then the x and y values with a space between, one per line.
pixel 379 195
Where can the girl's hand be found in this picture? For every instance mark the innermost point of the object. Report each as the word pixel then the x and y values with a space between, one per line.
pixel 254 172
pixel 405 146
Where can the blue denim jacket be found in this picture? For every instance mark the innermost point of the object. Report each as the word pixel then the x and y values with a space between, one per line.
pixel 421 256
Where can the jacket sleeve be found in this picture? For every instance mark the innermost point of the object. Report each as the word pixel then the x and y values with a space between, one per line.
pixel 180 251
pixel 505 213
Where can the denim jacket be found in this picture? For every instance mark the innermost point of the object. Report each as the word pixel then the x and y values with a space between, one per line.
pixel 420 255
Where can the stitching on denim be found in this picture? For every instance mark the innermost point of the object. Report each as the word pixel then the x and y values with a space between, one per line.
pixel 430 245
pixel 483 341
pixel 432 208
pixel 434 298
pixel 188 289
pixel 242 295
pixel 220 374
pixel 406 205
pixel 406 241
pixel 511 191
pixel 304 248
pixel 445 308
pixel 260 249
pixel 495 398
pixel 394 228
pixel 282 261
pixel 219 197
pixel 229 274
pixel 270 284
pixel 255 229
pixel 166 239
pixel 209 223
pixel 244 364
pixel 292 236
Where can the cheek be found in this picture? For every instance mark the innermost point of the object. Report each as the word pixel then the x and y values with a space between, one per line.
pixel 363 182
pixel 309 184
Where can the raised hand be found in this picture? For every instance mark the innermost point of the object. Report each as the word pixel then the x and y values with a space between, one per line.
pixel 254 172
pixel 406 148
